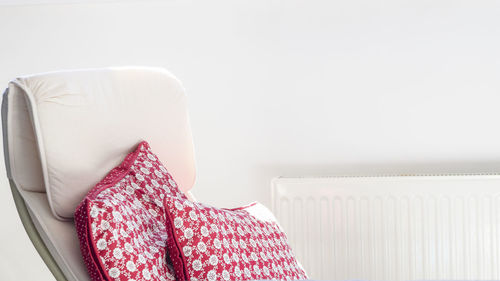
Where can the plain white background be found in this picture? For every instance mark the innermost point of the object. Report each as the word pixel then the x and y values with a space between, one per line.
pixel 284 87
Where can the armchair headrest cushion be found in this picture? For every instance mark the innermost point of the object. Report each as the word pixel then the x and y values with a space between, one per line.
pixel 82 123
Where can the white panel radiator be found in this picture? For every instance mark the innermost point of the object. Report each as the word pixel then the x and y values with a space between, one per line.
pixel 393 228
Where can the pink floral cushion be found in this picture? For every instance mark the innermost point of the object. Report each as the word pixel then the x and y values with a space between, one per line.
pixel 121 221
pixel 207 243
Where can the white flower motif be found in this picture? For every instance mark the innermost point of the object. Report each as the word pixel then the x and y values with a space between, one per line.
pixel 129 190
pixel 147 163
pixel 243 245
pixel 128 247
pixel 172 182
pixel 247 272
pixel 178 222
pixel 145 171
pixel 114 272
pixel 178 205
pixel 187 251
pixel 237 271
pixel 163 169
pixel 266 271
pixel 159 203
pixel 226 258
pixel 102 244
pixel 146 274
pixel 225 242
pixel 225 275
pixel 155 183
pixel 131 266
pixel 117 253
pixel 142 259
pixel 188 233
pixel 105 225
pixel 235 243
pixel 256 269
pixel 193 215
pixel 213 260
pixel 117 216
pixel 213 214
pixel 155 270
pixel 139 177
pixel 197 265
pixel 263 256
pixel 202 247
pixel 214 228
pixel 217 244
pixel 211 275
pixel 148 255
pixel 151 156
pixel 159 174
pixel 94 211
pixel 235 257
pixel 254 257
pixel 244 257
pixel 135 186
pixel 204 231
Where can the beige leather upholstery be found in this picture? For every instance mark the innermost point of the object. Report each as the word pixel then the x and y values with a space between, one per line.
pixel 66 130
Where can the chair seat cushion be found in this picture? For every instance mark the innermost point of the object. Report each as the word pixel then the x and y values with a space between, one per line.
pixel 121 221
pixel 207 243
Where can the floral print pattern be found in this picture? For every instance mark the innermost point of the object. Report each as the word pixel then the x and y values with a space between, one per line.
pixel 207 243
pixel 121 222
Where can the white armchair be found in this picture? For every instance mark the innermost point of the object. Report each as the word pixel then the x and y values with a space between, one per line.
pixel 64 130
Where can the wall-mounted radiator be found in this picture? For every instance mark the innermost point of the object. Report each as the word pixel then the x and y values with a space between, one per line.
pixel 393 228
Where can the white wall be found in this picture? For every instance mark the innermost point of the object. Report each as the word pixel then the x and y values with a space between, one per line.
pixel 285 87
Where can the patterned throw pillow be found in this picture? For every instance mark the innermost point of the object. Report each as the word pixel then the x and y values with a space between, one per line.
pixel 121 221
pixel 207 243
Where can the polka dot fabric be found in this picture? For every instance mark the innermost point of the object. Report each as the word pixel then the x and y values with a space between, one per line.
pixel 121 222
pixel 207 243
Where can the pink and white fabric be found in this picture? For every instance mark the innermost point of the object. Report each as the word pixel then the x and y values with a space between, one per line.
pixel 207 243
pixel 121 222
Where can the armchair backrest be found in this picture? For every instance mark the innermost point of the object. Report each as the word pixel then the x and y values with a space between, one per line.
pixel 65 130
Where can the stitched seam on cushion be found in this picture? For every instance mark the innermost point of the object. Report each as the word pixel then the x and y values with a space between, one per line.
pixel 173 244
pixel 125 167
pixel 89 259
pixel 93 257
pixel 100 266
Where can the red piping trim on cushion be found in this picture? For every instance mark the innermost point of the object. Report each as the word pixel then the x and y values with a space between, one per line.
pixel 174 250
pixel 92 268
